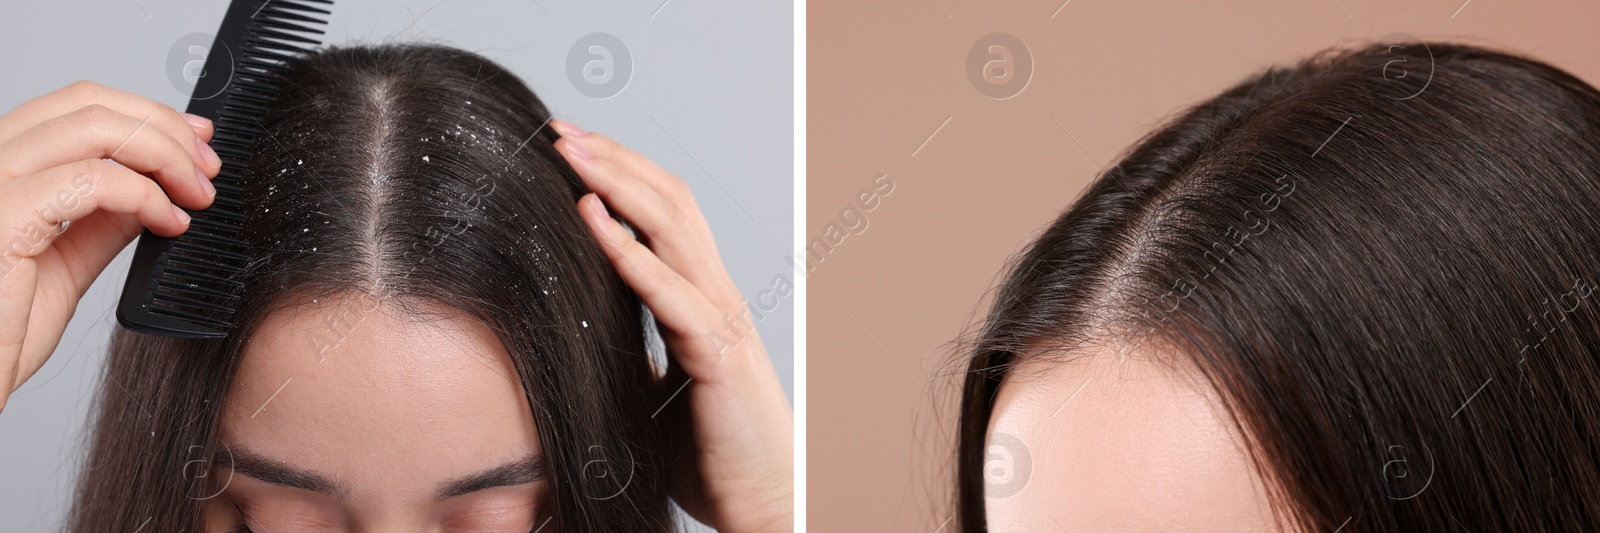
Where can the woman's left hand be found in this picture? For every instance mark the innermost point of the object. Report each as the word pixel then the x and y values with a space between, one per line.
pixel 742 476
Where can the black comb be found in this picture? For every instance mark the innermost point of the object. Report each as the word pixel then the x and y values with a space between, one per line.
pixel 186 286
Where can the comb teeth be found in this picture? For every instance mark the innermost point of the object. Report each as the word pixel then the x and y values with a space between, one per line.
pixel 186 286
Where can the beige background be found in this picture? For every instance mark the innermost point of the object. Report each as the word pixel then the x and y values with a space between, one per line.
pixel 885 304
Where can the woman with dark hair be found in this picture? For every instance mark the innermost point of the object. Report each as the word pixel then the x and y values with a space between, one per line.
pixel 432 339
pixel 1353 294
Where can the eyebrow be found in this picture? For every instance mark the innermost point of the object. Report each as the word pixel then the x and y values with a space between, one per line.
pixel 527 469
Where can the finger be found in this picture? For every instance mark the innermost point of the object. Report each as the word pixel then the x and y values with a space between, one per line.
pixel 181 127
pixel 637 167
pixel 90 244
pixel 10 358
pixel 646 170
pixel 18 290
pixel 674 230
pixel 82 253
pixel 18 280
pixel 97 132
pixel 673 301
pixel 36 320
pixel 72 191
pixel 664 223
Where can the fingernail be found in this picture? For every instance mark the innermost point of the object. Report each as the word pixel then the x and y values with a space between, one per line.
pixel 567 129
pixel 182 216
pixel 578 149
pixel 207 152
pixel 603 221
pixel 205 183
pixel 196 120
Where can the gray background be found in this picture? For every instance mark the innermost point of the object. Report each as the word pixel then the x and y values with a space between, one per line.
pixel 716 74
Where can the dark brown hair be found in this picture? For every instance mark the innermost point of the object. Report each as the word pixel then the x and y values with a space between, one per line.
pixel 412 174
pixel 1381 257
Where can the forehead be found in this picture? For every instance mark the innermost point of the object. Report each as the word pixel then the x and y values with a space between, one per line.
pixel 1106 441
pixel 351 387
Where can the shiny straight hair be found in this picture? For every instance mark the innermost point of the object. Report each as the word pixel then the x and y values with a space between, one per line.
pixel 1382 258
pixel 413 175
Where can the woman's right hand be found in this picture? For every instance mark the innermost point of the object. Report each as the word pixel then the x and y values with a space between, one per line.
pixel 53 169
